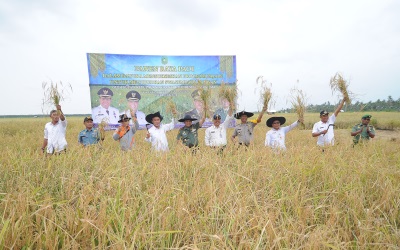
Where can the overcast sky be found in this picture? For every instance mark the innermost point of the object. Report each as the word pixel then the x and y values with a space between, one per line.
pixel 290 42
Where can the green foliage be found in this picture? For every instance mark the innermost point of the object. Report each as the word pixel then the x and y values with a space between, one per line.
pixel 379 105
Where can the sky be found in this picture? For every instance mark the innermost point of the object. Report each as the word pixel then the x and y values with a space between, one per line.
pixel 291 43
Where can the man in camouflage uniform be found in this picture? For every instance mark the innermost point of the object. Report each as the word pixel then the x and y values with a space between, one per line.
pixel 188 135
pixel 363 130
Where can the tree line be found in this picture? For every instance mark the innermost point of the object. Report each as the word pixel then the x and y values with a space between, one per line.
pixel 388 104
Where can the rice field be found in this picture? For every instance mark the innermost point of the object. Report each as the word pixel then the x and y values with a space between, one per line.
pixel 102 198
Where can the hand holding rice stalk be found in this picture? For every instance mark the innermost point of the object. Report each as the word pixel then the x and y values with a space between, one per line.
pixel 205 95
pixel 53 93
pixel 171 107
pixel 102 125
pixel 265 93
pixel 228 93
pixel 337 83
pixel 298 100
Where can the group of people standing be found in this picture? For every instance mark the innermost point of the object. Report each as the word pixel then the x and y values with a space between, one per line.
pixel 215 135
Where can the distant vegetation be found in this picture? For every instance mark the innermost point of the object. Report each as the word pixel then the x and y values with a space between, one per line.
pixel 379 105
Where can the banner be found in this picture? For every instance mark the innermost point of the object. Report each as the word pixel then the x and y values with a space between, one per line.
pixel 145 84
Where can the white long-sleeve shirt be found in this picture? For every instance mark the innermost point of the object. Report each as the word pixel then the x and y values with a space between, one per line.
pixel 55 135
pixel 158 138
pixel 328 138
pixel 275 138
pixel 217 136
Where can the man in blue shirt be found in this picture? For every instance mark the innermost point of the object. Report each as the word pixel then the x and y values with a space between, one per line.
pixel 90 135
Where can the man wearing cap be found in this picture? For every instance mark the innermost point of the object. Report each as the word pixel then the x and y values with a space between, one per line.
pixel 133 97
pixel 275 138
pixel 324 128
pixel 215 135
pixel 363 130
pixel 223 111
pixel 90 136
pixel 124 133
pixel 104 111
pixel 188 135
pixel 244 130
pixel 156 135
pixel 198 111
pixel 54 133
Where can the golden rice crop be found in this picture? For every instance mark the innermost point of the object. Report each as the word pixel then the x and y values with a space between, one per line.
pixel 102 126
pixel 228 92
pixel 298 100
pixel 170 106
pixel 338 83
pixel 265 92
pixel 54 93
pixel 205 95
pixel 252 198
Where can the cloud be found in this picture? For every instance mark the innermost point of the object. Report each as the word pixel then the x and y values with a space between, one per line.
pixel 182 14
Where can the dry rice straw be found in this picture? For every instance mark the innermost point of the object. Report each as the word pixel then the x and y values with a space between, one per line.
pixel 338 83
pixel 298 100
pixel 265 93
pixel 54 93
pixel 205 95
pixel 228 93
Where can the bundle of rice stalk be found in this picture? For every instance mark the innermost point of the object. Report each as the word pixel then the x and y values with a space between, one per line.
pixel 299 104
pixel 53 93
pixel 338 83
pixel 204 91
pixel 102 125
pixel 265 92
pixel 170 106
pixel 228 93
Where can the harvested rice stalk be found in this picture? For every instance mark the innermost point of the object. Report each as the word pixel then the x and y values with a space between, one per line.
pixel 170 107
pixel 299 103
pixel 54 93
pixel 228 93
pixel 265 92
pixel 338 83
pixel 204 91
pixel 102 125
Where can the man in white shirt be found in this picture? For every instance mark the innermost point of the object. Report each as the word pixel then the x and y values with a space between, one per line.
pixel 156 135
pixel 104 111
pixel 324 128
pixel 215 136
pixel 275 138
pixel 54 133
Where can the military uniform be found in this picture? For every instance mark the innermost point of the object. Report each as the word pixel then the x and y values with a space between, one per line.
pixel 189 135
pixel 363 135
pixel 88 137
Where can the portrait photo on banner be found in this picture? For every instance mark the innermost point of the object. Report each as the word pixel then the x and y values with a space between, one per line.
pixel 137 85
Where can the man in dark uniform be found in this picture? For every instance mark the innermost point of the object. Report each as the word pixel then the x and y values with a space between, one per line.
pixel 187 135
pixel 363 130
